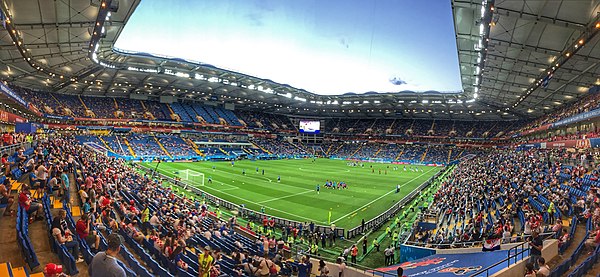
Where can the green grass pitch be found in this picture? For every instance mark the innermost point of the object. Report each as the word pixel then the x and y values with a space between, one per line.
pixel 294 197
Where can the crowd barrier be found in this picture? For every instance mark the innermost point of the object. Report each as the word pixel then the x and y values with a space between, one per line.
pixel 379 220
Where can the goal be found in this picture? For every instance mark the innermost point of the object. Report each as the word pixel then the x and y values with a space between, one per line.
pixel 192 177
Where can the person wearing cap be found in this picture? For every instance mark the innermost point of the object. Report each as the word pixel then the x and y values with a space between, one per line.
pixel 205 262
pixel 104 264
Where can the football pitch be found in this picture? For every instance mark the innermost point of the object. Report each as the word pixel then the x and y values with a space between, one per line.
pixel 371 189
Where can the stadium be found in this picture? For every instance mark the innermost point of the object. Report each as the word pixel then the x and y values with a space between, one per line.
pixel 299 138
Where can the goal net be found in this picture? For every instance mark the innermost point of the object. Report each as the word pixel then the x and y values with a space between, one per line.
pixel 192 177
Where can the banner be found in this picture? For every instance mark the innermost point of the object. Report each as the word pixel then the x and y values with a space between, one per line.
pixel 411 253
pixel 447 265
pixel 13 95
pixel 577 118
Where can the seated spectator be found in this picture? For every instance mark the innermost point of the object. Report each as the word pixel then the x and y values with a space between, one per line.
pixel 593 240
pixel 6 200
pixel 82 227
pixel 529 272
pixel 544 270
pixel 63 235
pixel 32 207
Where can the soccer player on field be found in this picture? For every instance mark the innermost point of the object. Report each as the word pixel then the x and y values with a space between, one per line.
pixel 209 180
pixel 318 188
pixel 278 178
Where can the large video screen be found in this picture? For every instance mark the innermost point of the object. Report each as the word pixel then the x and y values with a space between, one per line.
pixel 310 126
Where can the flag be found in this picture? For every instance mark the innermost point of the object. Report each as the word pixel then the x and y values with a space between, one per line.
pixel 546 80
pixel 491 245
pixel 329 218
pixel 3 18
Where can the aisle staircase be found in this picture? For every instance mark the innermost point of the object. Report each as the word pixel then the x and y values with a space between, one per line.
pixel 82 103
pixel 360 147
pixel 194 146
pixel 378 150
pixel 106 144
pixel 129 147
pixel 258 146
pixel 172 115
pixel 424 154
pixel 163 147
pixel 449 155
pixel 399 155
pixel 6 270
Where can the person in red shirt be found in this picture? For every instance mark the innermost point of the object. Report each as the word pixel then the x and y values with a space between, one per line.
pixel 272 224
pixel 29 206
pixel 265 223
pixel 6 164
pixel 82 227
pixel 6 139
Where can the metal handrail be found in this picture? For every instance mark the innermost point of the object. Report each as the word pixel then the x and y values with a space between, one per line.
pixel 510 257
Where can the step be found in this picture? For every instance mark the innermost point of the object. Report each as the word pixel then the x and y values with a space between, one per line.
pixel 76 211
pixel 19 272
pixel 4 272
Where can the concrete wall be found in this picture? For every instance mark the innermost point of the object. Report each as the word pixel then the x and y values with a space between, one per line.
pixel 472 249
pixel 549 252
pixel 334 270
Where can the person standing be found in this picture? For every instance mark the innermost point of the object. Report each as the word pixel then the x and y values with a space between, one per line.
pixel 387 254
pixel 364 246
pixel 354 253
pixel 341 267
pixel 536 245
pixel 105 262
pixel 205 262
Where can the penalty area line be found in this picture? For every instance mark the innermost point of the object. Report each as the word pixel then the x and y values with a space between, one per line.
pixel 377 199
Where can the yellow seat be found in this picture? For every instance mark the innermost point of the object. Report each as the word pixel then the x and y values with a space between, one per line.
pixel 76 211
pixel 57 204
pixel 19 272
pixel 39 274
pixel 4 270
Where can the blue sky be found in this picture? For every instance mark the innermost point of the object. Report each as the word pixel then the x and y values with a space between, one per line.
pixel 322 46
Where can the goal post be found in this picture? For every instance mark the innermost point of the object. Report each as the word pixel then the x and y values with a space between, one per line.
pixel 192 177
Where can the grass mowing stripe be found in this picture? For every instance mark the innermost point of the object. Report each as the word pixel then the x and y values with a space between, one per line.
pixel 249 201
pixel 283 197
pixel 291 199
pixel 376 199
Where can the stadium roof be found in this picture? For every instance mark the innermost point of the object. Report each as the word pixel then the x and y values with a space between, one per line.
pixel 53 43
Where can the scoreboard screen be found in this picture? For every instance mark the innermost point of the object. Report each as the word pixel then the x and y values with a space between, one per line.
pixel 310 126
